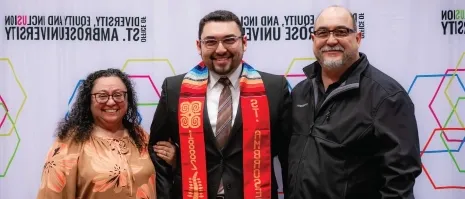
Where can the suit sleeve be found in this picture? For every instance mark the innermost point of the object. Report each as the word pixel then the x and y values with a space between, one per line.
pixel 285 119
pixel 396 128
pixel 160 131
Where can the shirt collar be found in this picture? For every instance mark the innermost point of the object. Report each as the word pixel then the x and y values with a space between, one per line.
pixel 233 77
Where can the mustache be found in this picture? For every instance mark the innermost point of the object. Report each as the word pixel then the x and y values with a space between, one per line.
pixel 334 48
pixel 215 56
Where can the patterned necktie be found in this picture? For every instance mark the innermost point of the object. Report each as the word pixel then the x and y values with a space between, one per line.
pixel 224 119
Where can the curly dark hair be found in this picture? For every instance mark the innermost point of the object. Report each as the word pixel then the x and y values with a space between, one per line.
pixel 79 123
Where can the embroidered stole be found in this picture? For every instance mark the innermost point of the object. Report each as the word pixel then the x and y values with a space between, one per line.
pixel 256 134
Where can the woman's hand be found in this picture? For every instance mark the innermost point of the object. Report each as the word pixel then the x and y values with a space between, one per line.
pixel 166 151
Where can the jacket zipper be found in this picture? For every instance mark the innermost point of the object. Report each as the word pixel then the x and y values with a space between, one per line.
pixel 341 89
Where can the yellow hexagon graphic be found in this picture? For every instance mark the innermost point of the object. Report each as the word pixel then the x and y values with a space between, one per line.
pixel 458 69
pixel 454 75
pixel 294 73
pixel 12 115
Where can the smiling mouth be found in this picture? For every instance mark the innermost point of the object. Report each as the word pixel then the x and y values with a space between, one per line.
pixel 332 52
pixel 221 58
pixel 110 110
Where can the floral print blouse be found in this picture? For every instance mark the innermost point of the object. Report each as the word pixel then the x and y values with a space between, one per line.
pixel 98 168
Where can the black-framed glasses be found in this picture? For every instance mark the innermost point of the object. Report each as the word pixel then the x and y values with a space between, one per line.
pixel 227 42
pixel 338 32
pixel 103 98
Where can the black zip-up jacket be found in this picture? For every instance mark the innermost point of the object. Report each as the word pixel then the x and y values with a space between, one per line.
pixel 357 141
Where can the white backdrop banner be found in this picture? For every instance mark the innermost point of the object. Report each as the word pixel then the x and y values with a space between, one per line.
pixel 48 47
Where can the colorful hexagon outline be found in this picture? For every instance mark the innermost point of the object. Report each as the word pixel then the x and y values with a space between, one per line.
pixel 443 135
pixel 291 65
pixel 5 108
pixel 10 160
pixel 428 175
pixel 456 69
pixel 153 86
pixel 8 61
pixel 146 103
pixel 149 60
pixel 435 95
pixel 76 88
pixel 444 140
pixel 13 121
pixel 167 61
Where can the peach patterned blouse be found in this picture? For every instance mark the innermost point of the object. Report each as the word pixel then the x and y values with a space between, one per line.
pixel 98 168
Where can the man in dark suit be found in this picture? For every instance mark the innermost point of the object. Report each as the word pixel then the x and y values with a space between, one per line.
pixel 228 120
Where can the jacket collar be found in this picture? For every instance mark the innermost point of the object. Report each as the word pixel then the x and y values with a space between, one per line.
pixel 312 70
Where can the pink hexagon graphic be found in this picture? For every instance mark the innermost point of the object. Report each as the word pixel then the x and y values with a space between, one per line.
pixel 148 75
pixel 441 85
pixel 435 172
pixel 149 79
pixel 4 108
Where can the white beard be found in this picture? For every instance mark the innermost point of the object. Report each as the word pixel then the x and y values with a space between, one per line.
pixel 333 64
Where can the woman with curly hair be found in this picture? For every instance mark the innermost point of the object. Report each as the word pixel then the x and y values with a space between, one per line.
pixel 101 149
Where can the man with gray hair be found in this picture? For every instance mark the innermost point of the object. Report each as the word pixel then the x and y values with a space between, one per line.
pixel 354 128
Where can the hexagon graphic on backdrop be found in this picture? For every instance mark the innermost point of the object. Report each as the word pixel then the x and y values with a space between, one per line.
pixel 448 164
pixel 294 73
pixel 423 84
pixel 148 75
pixel 454 81
pixel 72 98
pixel 10 112
pixel 5 109
pixel 447 136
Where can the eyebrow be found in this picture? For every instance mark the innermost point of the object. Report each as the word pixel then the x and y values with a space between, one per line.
pixel 324 27
pixel 212 37
pixel 105 91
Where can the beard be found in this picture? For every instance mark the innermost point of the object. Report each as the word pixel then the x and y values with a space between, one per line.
pixel 224 68
pixel 332 63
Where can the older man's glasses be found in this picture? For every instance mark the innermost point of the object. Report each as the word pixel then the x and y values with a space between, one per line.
pixel 103 98
pixel 227 42
pixel 338 33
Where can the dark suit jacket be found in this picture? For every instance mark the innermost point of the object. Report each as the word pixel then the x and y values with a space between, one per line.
pixel 226 163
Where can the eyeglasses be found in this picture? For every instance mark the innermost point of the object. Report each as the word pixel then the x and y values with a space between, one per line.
pixel 227 42
pixel 103 98
pixel 338 33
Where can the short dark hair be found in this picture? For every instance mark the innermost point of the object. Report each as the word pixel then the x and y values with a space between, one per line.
pixel 354 21
pixel 220 16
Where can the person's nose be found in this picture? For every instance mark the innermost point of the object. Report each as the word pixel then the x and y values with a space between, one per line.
pixel 110 101
pixel 332 40
pixel 220 49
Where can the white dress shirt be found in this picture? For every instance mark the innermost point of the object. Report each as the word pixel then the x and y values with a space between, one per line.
pixel 214 91
pixel 213 98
